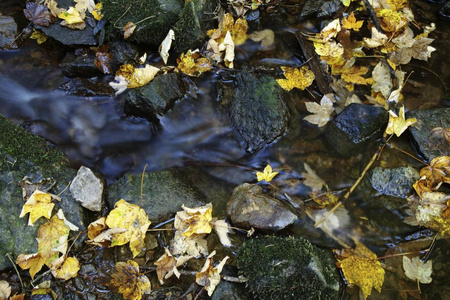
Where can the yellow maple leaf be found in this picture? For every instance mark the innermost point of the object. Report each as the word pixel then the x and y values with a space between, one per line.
pixel 192 64
pixel 238 30
pixel 34 262
pixel 132 218
pixel 97 12
pixel 397 123
pixel 351 23
pixel 296 78
pixel 96 227
pixel 209 276
pixel 321 113
pixel 391 20
pixel 38 36
pixel 127 281
pixel 137 77
pixel 65 268
pixel 71 16
pixel 267 174
pixel 438 171
pixel 194 221
pixel 38 205
pixel 361 267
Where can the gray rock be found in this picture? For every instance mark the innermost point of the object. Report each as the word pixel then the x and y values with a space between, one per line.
pixel 395 182
pixel 80 65
pixel 311 7
pixel 87 189
pixel 256 110
pixel 87 87
pixel 355 127
pixel 329 8
pixel 426 143
pixel 228 291
pixel 154 18
pixel 154 98
pixel 22 154
pixel 287 268
pixel 8 31
pixel 70 37
pixel 164 192
pixel 249 207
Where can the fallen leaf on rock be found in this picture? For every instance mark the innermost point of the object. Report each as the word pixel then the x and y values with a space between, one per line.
pixel 267 174
pixel 438 171
pixel 38 205
pixel 83 5
pixel 312 180
pixel 266 37
pixel 209 276
pixel 165 46
pixel 222 230
pixel 351 23
pixel 52 5
pixel 137 77
pixel 361 267
pixel 321 113
pixel 34 262
pixel 38 14
pixel 71 16
pixel 397 123
pixel 5 290
pixel 65 268
pixel 128 29
pixel 97 12
pixel 296 78
pixel 127 280
pixel 120 86
pixel 38 36
pixel 416 270
pixel 193 64
pixel 194 220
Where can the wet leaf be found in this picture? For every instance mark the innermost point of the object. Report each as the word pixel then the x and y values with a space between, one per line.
pixel 167 265
pixel 97 12
pixel 34 262
pixel 416 270
pixel 127 280
pixel 381 75
pixel 38 205
pixel 331 51
pixel 194 220
pixel 296 78
pixel 267 175
pixel 321 113
pixel 165 46
pixel 38 14
pixel 119 86
pixel 132 218
pixel 194 246
pixel 38 36
pixel 209 276
pixel 228 46
pixel 222 230
pixel 71 16
pixel 312 180
pixel 438 171
pixel 192 64
pixel 65 268
pixel 361 267
pixel 351 23
pixel 128 29
pixel 397 123
pixel 378 39
pixel 137 77
pixel 266 37
pixel 52 5
pixel 103 60
pixel 5 289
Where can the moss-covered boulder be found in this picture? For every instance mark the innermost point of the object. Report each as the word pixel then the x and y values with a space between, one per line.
pixel 287 268
pixel 153 18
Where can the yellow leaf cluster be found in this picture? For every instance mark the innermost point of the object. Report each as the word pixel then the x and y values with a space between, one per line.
pixel 267 174
pixel 361 267
pixel 296 78
pixel 238 30
pixel 127 280
pixel 193 64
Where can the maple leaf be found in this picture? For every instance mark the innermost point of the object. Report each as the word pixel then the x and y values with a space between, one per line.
pixel 34 262
pixel 361 267
pixel 97 12
pixel 238 30
pixel 38 205
pixel 194 220
pixel 419 49
pixel 296 78
pixel 132 218
pixel 38 14
pixel 222 229
pixel 312 180
pixel 38 36
pixel 329 49
pixel 267 174
pixel 416 270
pixel 128 29
pixel 440 139
pixel 377 39
pixel 438 171
pixel 351 73
pixel 65 268
pixel 137 77
pixel 351 23
pixel 381 75
pixel 166 265
pixel 391 20
pixel 71 16
pixel 127 280
pixel 209 276
pixel 397 123
pixel 5 289
pixel 165 46
pixel 321 114
pixel 192 64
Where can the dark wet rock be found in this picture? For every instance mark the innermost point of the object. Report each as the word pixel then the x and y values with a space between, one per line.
pixel 329 8
pixel 256 109
pixel 163 193
pixel 87 87
pixel 87 189
pixel 155 98
pixel 249 207
pixel 428 144
pixel 23 154
pixel 8 31
pixel 395 182
pixel 123 53
pixel 155 17
pixel 311 7
pixel 70 37
pixel 81 65
pixel 228 291
pixel 193 22
pixel 355 127
pixel 287 268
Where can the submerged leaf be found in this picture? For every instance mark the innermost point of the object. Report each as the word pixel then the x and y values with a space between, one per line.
pixel 416 270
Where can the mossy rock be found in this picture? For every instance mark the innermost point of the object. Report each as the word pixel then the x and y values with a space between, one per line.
pixel 287 268
pixel 153 18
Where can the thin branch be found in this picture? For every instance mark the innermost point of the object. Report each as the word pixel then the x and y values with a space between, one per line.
pixel 15 268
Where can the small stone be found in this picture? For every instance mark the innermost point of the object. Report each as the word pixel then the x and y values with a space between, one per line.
pixel 87 189
pixel 8 31
pixel 395 182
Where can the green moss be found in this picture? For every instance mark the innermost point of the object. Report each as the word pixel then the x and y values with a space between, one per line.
pixel 287 268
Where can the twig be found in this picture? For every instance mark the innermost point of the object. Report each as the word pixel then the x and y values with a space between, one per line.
pixel 121 17
pixel 373 15
pixel 163 223
pixel 15 268
pixel 409 154
pixel 239 279
pixel 142 182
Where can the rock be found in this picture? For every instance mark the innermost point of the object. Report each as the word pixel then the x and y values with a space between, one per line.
pixel 81 65
pixel 23 154
pixel 87 189
pixel 155 17
pixel 395 182
pixel 123 53
pixel 70 37
pixel 355 127
pixel 287 268
pixel 154 98
pixel 428 144
pixel 87 87
pixel 256 110
pixel 249 207
pixel 193 22
pixel 163 193
pixel 329 8
pixel 8 32
pixel 228 291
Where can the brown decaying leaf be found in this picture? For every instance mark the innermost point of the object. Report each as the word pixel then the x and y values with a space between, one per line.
pixel 5 289
pixel 440 140
pixel 127 280
pixel 128 29
pixel 103 60
pixel 38 14
pixel 438 171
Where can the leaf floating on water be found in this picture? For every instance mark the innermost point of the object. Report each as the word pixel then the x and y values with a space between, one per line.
pixel 267 175
pixel 416 270
pixel 38 14
pixel 127 280
pixel 321 113
pixel 38 36
pixel 296 78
